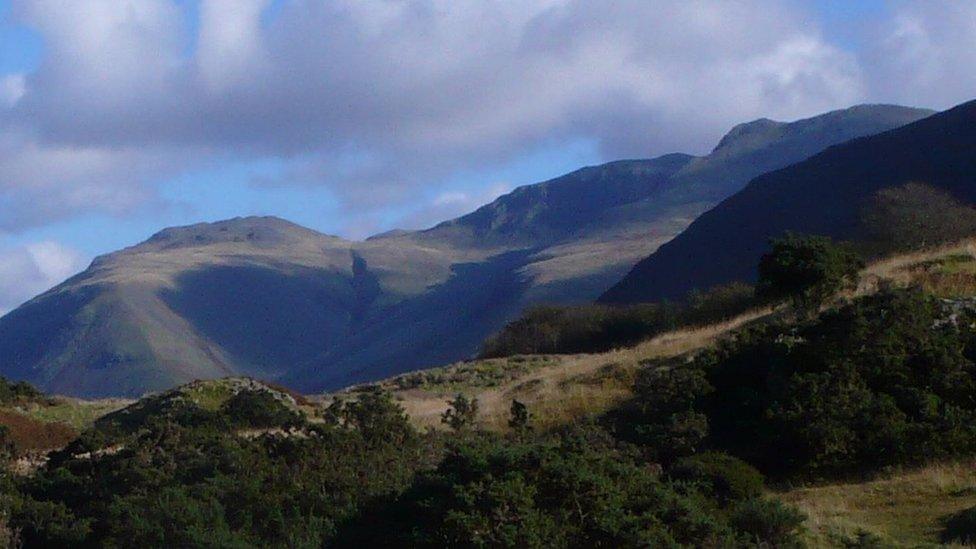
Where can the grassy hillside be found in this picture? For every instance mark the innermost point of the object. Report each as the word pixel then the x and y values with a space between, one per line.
pixel 901 509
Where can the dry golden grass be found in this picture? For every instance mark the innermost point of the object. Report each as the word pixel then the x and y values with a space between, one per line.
pixel 904 269
pixel 905 510
pixel 568 387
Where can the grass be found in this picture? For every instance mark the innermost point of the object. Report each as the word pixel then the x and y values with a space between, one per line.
pixel 905 509
pixel 210 395
pixel 556 389
pixel 79 414
pixel 474 374
pixel 947 271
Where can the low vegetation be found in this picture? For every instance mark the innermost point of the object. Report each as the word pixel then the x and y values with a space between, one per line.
pixel 600 328
pixel 887 380
pixel 692 438
pixel 914 216
pixel 807 270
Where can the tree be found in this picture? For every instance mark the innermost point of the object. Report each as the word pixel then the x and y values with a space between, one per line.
pixel 462 413
pixel 914 216
pixel 519 420
pixel 807 269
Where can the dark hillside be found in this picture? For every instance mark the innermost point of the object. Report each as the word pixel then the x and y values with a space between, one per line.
pixel 825 194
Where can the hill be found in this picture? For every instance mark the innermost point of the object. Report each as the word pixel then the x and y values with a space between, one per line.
pixel 238 462
pixel 266 298
pixel 833 193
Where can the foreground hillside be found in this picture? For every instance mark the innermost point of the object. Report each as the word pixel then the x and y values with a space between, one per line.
pixel 763 430
pixel 266 298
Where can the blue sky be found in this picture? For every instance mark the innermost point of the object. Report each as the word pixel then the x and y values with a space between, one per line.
pixel 121 117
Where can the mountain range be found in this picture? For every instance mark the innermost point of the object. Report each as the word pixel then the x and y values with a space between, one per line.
pixel 264 297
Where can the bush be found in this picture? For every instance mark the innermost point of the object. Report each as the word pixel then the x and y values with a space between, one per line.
pixel 258 409
pixel 726 477
pixel 768 521
pixel 669 422
pixel 577 489
pixel 806 269
pixel 578 329
pixel 914 216
pixel 519 417
pixel 11 391
pixel 180 478
pixel 887 380
pixel 717 303
pixel 462 413
pixel 961 527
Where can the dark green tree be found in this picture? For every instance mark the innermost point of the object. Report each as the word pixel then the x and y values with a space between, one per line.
pixel 807 270
pixel 519 417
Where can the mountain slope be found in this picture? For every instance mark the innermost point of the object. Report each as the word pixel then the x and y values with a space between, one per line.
pixel 266 298
pixel 825 194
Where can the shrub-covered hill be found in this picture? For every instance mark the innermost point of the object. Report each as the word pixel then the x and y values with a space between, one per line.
pixel 242 466
pixel 881 380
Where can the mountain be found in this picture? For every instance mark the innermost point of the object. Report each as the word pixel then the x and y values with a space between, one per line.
pixel 266 298
pixel 827 194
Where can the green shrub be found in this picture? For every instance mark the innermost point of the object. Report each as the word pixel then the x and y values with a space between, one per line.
pixel 11 391
pixel 258 409
pixel 887 380
pixel 726 477
pixel 186 479
pixel 768 521
pixel 961 527
pixel 461 414
pixel 576 489
pixel 578 329
pixel 519 417
pixel 914 216
pixel 717 303
pixel 668 421
pixel 806 269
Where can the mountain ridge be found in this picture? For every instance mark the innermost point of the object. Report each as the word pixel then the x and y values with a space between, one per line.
pixel 263 297
pixel 735 233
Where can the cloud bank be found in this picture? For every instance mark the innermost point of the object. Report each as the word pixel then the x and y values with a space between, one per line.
pixel 383 101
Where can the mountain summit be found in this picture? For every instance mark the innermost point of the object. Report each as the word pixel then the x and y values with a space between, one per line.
pixel 264 297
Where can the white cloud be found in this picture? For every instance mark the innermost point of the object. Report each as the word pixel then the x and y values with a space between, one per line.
pixel 42 183
pixel 229 48
pixel 29 269
pixel 418 90
pixel 926 54
pixel 383 101
pixel 12 88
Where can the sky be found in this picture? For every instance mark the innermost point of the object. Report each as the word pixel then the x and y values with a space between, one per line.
pixel 352 117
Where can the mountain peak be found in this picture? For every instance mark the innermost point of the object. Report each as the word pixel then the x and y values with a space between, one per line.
pixel 749 134
pixel 256 230
pixel 862 119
